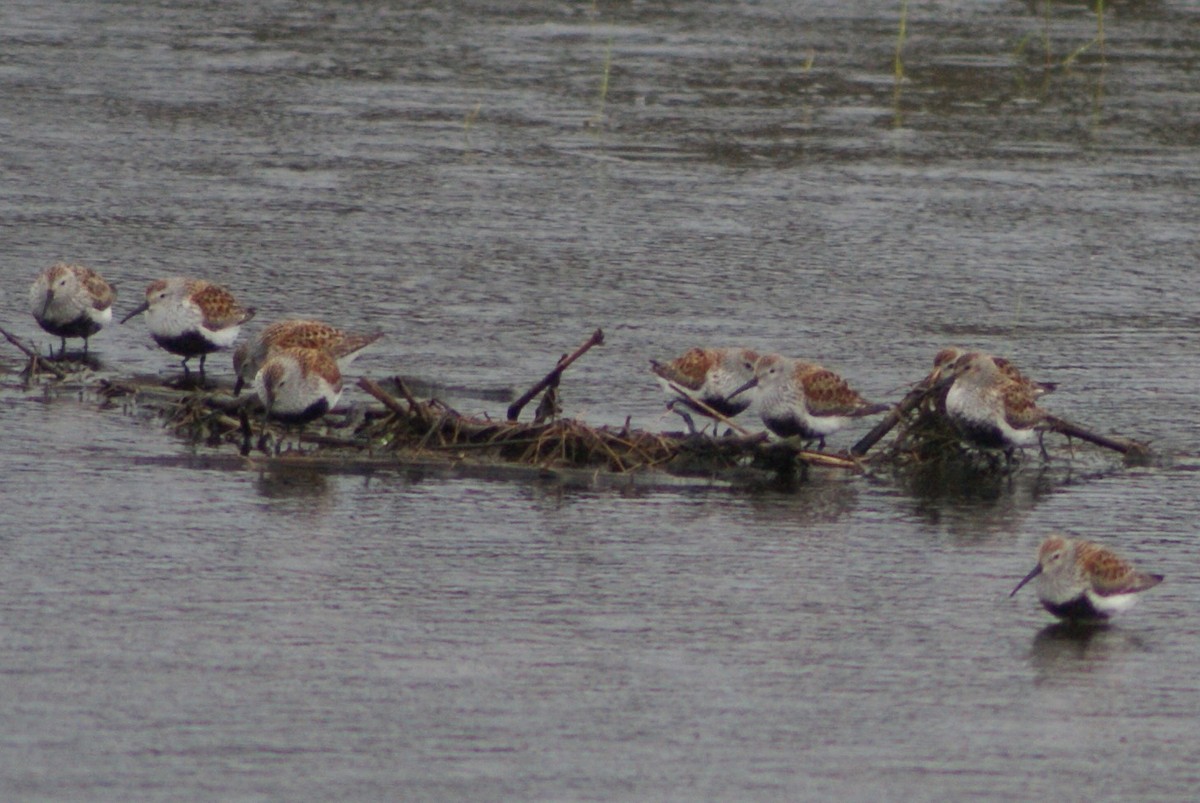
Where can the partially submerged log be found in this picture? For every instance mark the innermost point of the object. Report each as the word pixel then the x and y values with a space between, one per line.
pixel 402 431
pixel 1134 451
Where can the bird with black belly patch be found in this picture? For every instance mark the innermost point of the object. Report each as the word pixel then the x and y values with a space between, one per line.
pixel 71 301
pixel 191 317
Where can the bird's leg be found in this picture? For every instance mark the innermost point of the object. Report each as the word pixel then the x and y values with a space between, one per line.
pixel 691 425
pixel 1042 446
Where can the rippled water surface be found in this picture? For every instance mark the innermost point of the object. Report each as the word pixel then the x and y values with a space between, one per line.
pixel 488 183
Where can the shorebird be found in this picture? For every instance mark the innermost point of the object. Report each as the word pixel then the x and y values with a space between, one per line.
pixel 297 385
pixel 797 398
pixel 946 358
pixel 991 409
pixel 344 347
pixel 703 380
pixel 71 301
pixel 1082 581
pixel 191 317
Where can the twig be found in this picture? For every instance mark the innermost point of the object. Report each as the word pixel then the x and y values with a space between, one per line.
pixel 910 401
pixel 35 359
pixel 704 408
pixel 1125 446
pixel 828 460
pixel 413 404
pixel 515 408
pixel 382 396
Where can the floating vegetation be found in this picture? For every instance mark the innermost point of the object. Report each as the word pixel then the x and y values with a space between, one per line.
pixel 400 429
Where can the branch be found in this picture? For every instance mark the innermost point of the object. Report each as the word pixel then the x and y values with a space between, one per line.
pixel 1127 447
pixel 885 425
pixel 35 359
pixel 552 378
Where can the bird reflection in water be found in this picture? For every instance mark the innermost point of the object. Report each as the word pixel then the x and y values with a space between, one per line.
pixel 1064 649
pixel 294 482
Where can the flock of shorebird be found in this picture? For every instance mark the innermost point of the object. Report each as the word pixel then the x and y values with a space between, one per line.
pixel 293 365
pixel 295 368
pixel 987 399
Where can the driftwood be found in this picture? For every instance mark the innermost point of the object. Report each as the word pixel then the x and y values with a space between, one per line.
pixel 934 432
pixel 1133 450
pixel 910 402
pixel 551 379
pixel 384 398
pixel 402 430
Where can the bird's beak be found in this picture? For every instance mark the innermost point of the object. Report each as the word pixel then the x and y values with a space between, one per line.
pixel 238 384
pixel 138 310
pixel 49 299
pixel 940 379
pixel 752 383
pixel 269 402
pixel 1036 571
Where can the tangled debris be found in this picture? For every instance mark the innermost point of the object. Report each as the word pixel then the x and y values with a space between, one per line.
pixel 401 429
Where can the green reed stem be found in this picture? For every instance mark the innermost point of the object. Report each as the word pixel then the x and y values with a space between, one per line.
pixel 898 64
pixel 608 53
pixel 901 35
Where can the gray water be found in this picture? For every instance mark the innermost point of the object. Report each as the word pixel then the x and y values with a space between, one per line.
pixel 174 625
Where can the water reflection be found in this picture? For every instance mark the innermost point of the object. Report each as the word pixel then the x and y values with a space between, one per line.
pixel 821 500
pixel 1064 649
pixel 975 502
pixel 295 482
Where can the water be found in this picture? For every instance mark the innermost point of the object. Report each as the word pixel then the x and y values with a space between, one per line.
pixel 178 625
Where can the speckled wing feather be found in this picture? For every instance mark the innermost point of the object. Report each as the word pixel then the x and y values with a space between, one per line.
pixel 1020 408
pixel 1110 574
pixel 317 335
pixel 319 362
pixel 348 344
pixel 688 371
pixel 221 309
pixel 102 293
pixel 826 393
pixel 1012 372
pixel 305 334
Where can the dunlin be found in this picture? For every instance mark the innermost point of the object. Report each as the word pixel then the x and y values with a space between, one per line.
pixel 297 385
pixel 191 317
pixel 991 409
pixel 803 399
pixel 945 359
pixel 344 347
pixel 71 301
pixel 703 380
pixel 1080 580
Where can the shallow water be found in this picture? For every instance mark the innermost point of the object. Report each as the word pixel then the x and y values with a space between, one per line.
pixel 176 625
